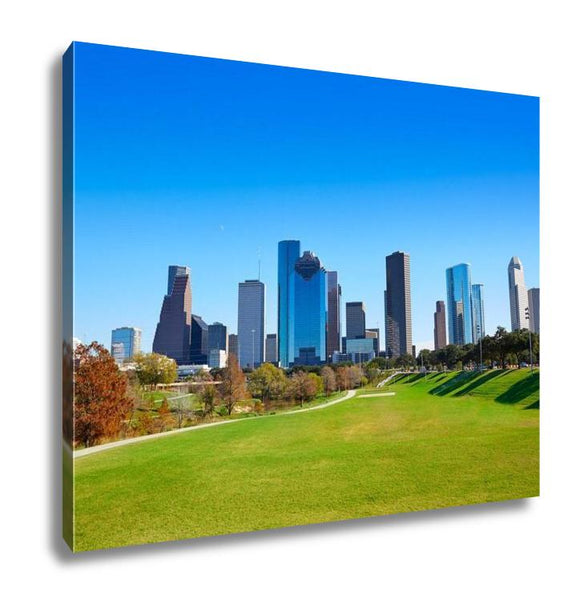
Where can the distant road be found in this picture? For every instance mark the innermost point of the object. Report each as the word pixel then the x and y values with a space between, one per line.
pixel 103 447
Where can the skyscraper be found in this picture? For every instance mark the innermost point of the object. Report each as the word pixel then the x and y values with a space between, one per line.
pixel 459 304
pixel 199 354
pixel 478 312
pixel 334 307
pixel 173 332
pixel 309 343
pixel 439 332
pixel 217 337
pixel 398 328
pixel 251 323
pixel 272 348
pixel 355 320
pixel 125 343
pixel 534 305
pixel 518 294
pixel 233 344
pixel 288 254
pixel 375 335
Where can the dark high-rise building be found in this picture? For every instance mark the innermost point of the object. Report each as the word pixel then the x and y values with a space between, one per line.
pixel 233 344
pixel 309 314
pixel 173 332
pixel 478 312
pixel 374 334
pixel 459 304
pixel 251 323
pixel 398 329
pixel 288 254
pixel 534 309
pixel 439 332
pixel 217 337
pixel 355 320
pixel 199 341
pixel 272 348
pixel 334 307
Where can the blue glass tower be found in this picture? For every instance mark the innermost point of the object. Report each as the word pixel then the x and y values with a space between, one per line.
pixel 459 304
pixel 478 312
pixel 288 254
pixel 309 345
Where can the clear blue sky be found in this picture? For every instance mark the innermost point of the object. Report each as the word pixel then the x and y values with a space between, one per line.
pixel 209 163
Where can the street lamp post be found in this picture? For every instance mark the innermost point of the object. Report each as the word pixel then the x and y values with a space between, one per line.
pixel 480 346
pixel 529 338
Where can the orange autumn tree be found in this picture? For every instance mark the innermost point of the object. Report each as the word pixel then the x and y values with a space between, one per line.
pixel 102 400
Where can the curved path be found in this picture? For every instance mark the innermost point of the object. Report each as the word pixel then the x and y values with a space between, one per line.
pixel 103 447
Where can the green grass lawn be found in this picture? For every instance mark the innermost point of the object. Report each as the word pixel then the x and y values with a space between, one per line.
pixel 442 440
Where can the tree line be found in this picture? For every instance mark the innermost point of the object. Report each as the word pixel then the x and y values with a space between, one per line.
pixel 111 403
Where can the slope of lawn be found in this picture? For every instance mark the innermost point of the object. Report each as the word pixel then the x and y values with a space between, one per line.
pixel 426 447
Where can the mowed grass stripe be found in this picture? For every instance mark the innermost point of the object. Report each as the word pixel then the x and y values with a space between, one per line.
pixel 360 458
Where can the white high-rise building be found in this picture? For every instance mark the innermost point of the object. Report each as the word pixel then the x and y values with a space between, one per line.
pixel 251 323
pixel 518 294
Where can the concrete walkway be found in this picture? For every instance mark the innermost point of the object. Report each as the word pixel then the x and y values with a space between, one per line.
pixel 104 447
pixel 376 395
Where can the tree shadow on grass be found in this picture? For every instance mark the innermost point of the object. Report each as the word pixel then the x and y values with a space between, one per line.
pixel 521 390
pixel 478 381
pixel 452 385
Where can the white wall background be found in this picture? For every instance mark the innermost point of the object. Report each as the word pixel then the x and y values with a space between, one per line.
pixel 499 558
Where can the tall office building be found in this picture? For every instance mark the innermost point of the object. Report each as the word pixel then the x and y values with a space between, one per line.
pixel 439 332
pixel 334 307
pixel 251 323
pixel 199 354
pixel 459 304
pixel 217 337
pixel 374 334
pixel 309 343
pixel 272 348
pixel 288 254
pixel 355 320
pixel 125 343
pixel 478 312
pixel 233 344
pixel 534 305
pixel 173 332
pixel 398 328
pixel 518 294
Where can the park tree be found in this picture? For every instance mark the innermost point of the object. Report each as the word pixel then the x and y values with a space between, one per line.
pixel 343 378
pixel 164 412
pixel 233 385
pixel 102 400
pixel 267 382
pixel 355 376
pixel 303 386
pixel 328 380
pixel 318 383
pixel 424 358
pixel 153 369
pixel 405 361
pixel 208 398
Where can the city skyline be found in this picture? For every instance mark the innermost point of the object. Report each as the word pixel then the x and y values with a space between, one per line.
pixel 443 172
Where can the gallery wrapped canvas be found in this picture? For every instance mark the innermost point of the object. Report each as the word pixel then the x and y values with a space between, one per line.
pixel 291 296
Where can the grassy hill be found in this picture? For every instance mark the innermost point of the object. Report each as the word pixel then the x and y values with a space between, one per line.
pixel 442 440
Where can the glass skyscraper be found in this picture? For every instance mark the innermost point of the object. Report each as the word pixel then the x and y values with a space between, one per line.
pixel 459 304
pixel 288 254
pixel 333 320
pixel 309 346
pixel 251 323
pixel 125 343
pixel 478 312
pixel 398 328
